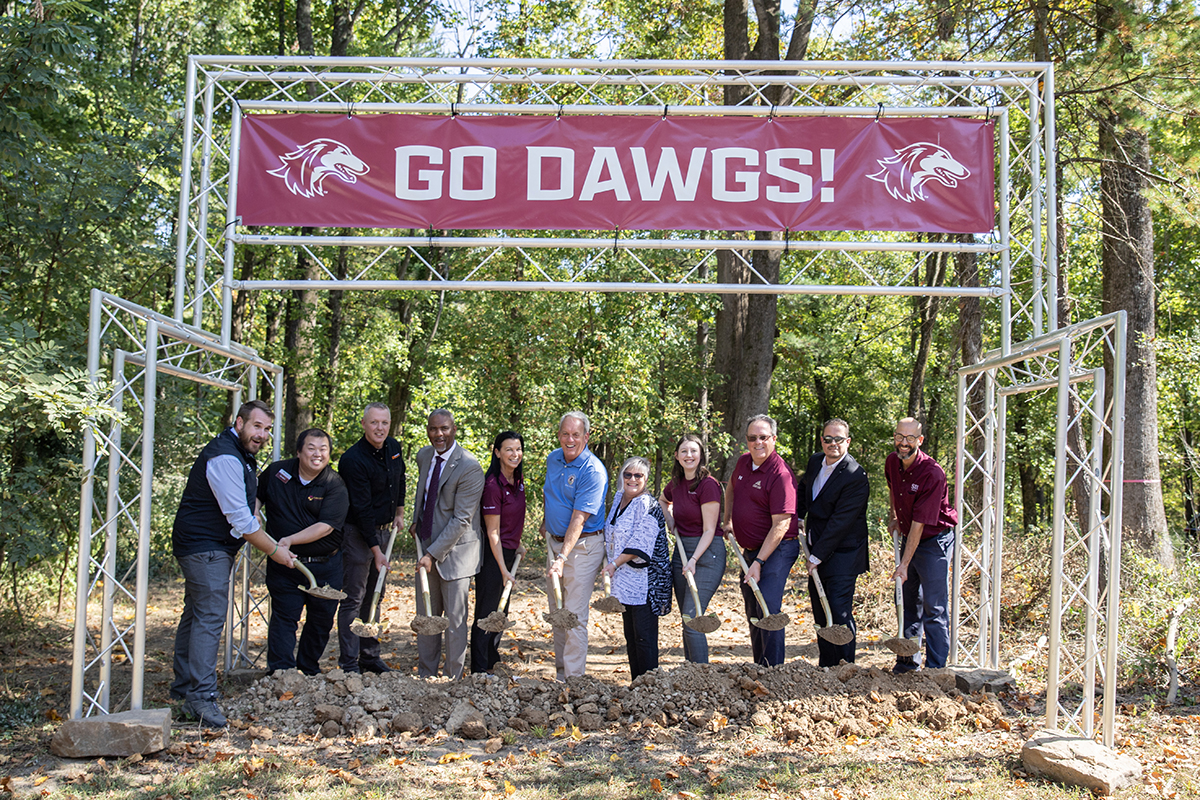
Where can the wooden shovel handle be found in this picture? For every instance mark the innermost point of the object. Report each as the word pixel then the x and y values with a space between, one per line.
pixel 509 585
pixel 691 580
pixel 312 581
pixel 737 551
pixel 374 613
pixel 423 578
pixel 816 579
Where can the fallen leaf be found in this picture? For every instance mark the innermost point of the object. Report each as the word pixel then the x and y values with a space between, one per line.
pixel 656 784
pixel 508 787
pixel 451 757
pixel 355 764
pixel 283 698
pixel 39 780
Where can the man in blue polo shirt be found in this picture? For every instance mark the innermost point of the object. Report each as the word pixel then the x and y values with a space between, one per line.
pixel 576 484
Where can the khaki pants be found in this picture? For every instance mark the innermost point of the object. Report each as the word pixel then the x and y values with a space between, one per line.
pixel 578 582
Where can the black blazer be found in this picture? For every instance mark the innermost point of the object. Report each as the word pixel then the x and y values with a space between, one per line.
pixel 836 524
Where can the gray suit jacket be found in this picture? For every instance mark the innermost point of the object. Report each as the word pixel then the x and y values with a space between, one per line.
pixel 456 543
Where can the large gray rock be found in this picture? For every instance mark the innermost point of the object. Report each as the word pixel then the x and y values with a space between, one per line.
pixel 969 680
pixel 1078 761
pixel 114 735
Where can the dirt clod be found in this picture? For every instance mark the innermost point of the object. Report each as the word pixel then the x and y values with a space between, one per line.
pixel 562 619
pixel 429 626
pixel 495 622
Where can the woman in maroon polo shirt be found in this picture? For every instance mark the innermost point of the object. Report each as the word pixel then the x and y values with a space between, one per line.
pixel 692 505
pixel 503 507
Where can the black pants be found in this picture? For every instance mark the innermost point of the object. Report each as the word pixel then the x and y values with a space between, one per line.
pixel 485 646
pixel 839 591
pixel 641 638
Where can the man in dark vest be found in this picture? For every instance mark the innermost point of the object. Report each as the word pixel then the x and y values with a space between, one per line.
pixel 216 514
pixel 373 471
pixel 305 503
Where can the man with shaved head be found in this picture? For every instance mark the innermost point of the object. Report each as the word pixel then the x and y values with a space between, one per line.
pixel 373 471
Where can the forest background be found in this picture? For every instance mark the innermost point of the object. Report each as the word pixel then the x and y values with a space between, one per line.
pixel 90 139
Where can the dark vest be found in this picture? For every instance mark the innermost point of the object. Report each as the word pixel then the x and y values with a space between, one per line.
pixel 199 524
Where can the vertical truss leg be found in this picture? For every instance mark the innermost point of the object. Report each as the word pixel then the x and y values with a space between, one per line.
pixel 960 436
pixel 1059 523
pixel 993 656
pixel 112 519
pixel 1117 476
pixel 1095 556
pixel 149 390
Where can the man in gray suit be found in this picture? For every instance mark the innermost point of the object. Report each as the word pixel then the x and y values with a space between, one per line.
pixel 446 518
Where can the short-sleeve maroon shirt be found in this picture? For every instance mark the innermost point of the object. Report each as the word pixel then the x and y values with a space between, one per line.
pixel 686 503
pixel 501 497
pixel 757 495
pixel 920 494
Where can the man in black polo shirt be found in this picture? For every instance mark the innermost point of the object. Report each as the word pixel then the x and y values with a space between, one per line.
pixel 216 514
pixel 305 502
pixel 373 470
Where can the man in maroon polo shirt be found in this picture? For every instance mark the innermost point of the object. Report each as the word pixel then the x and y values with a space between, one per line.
pixel 924 520
pixel 760 513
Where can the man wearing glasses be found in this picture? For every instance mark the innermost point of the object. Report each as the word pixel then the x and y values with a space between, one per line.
pixel 833 494
pixel 924 520
pixel 760 514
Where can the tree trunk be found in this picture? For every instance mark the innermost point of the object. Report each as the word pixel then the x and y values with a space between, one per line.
pixel 332 371
pixel 745 329
pixel 299 374
pixel 1127 264
pixel 927 311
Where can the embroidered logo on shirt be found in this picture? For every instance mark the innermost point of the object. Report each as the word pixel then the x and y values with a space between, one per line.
pixel 916 488
pixel 757 485
pixel 312 497
pixel 283 475
pixel 397 455
pixel 570 480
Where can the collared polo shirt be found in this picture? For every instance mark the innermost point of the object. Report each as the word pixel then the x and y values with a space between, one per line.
pixel 758 494
pixel 920 494
pixel 292 506
pixel 508 501
pixel 375 481
pixel 578 485
pixel 686 504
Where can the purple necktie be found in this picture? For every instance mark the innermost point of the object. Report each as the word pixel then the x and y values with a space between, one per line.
pixel 430 501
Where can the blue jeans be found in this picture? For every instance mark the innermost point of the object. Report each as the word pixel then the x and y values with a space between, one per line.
pixel 710 569
pixel 198 637
pixel 927 600
pixel 287 602
pixel 767 647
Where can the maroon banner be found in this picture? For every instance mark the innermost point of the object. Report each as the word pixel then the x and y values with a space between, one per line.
pixel 617 173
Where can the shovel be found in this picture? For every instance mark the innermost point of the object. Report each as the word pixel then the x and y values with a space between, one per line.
pixel 365 628
pixel 427 624
pixel 905 648
pixel 497 621
pixel 834 634
pixel 324 592
pixel 608 604
pixel 704 623
pixel 772 622
pixel 559 617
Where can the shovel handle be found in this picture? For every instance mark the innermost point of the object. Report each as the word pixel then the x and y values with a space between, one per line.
pixel 607 584
pixel 423 578
pixel 691 580
pixel 737 551
pixel 557 591
pixel 312 582
pixel 509 585
pixel 816 579
pixel 379 581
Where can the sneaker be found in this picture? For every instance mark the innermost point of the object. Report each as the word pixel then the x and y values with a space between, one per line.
pixel 375 665
pixel 206 711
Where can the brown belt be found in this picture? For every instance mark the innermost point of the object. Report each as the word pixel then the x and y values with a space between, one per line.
pixel 560 539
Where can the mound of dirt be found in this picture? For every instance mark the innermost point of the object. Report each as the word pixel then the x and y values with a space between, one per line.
pixel 796 701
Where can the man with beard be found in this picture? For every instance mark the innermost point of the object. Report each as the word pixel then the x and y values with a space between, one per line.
pixel 924 520
pixel 446 517
pixel 832 495
pixel 373 471
pixel 216 514
pixel 305 502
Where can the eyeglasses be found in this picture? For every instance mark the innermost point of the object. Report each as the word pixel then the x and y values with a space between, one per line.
pixel 900 437
pixel 834 439
pixel 633 476
pixel 750 437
